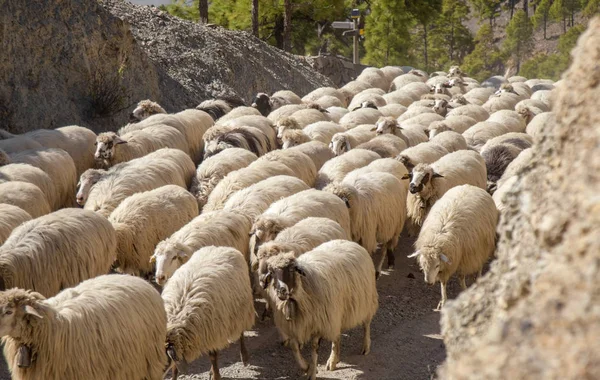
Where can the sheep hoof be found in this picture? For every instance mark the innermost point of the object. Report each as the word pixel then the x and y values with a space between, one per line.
pixel 366 351
pixel 331 365
pixel 391 266
pixel 377 274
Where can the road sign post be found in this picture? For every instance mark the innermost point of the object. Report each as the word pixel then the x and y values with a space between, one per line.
pixel 352 27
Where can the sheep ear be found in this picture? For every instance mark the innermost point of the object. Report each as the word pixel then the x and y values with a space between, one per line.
pixel 119 140
pixel 346 201
pixel 266 280
pixel 373 129
pixel 300 271
pixel 348 147
pixel 31 311
pixel 398 126
pixel 407 176
pixel 445 258
pixel 95 143
pixel 152 259
pixel 182 255
pixel 426 131
pixel 437 175
pixel 414 254
pixel 171 353
pixel 449 106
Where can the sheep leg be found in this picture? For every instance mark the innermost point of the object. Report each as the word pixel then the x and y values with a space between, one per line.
pixel 463 282
pixel 243 350
pixel 391 258
pixel 334 358
pixel 174 373
pixel 214 365
pixel 297 355
pixel 367 338
pixel 314 356
pixel 444 297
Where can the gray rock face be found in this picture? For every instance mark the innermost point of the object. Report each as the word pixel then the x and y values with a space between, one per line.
pixel 88 62
pixel 536 314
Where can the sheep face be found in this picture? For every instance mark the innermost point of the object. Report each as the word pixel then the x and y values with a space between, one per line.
pixel 145 109
pixel 386 125
pixel 506 88
pixel 216 146
pixel 420 178
pixel 455 71
pixel 441 107
pixel 283 271
pixel 266 228
pixel 284 124
pixel 16 306
pixel 525 113
pixel 339 144
pixel 437 129
pixel 262 103
pixel 88 179
pixel 294 137
pixel 168 257
pixel 106 146
pixel 432 262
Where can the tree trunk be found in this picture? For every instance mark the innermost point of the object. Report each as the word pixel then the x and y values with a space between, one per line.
pixel 255 18
pixel 203 8
pixel 526 7
pixel 278 32
pixel 564 24
pixel 452 42
pixel 287 25
pixel 511 4
pixel 545 24
pixel 425 46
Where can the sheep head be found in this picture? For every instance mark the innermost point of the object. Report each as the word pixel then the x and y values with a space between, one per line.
pixel 504 88
pixel 4 159
pixel 455 71
pixel 386 124
pixel 267 250
pixel 340 144
pixel 344 192
pixel 17 308
pixel 88 179
pixel 316 106
pixel 262 102
pixel 168 256
pixel 145 109
pixel 432 262
pixel 441 107
pixel 460 99
pixel 283 270
pixel 366 104
pixel 286 123
pixel 421 179
pixel 294 137
pixel 436 128
pixel 524 112
pixel 267 227
pixel 106 146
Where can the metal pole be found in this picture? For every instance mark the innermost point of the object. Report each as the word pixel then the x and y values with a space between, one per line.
pixel 355 59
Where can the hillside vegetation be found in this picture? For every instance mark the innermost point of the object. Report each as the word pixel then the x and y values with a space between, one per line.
pixel 486 37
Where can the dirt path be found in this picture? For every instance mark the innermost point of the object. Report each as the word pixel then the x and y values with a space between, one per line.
pixel 405 338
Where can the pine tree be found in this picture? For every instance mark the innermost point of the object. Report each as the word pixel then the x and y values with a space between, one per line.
pixel 591 8
pixel 542 15
pixel 485 60
pixel 487 9
pixel 424 12
pixel 203 11
pixel 519 38
pixel 255 18
pixel 387 33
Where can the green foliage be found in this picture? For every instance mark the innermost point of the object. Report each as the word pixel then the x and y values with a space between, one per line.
pixel 450 41
pixel 486 59
pixel 591 8
pixel 185 9
pixel 551 66
pixel 542 15
pixel 519 37
pixel 487 9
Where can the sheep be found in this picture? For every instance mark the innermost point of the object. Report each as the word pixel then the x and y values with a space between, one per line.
pixel 424 153
pixel 401 81
pixel 329 101
pixel 377 205
pixel 57 251
pixel 519 140
pixel 393 110
pixel 497 158
pixel 144 219
pixel 539 122
pixel 391 72
pixel 145 109
pixel 310 115
pixel 248 138
pixel 522 161
pixel 386 145
pixel 254 200
pixel 481 132
pixel 136 144
pixel 545 96
pixel 441 107
pixel 417 110
pixel 517 78
pixel 457 124
pixel 494 82
pixel 336 169
pixel 290 96
pixel 25 195
pixel 254 121
pixel 215 168
pixel 471 110
pixel 411 136
pixel 510 119
pixel 342 142
pixel 321 131
pixel 479 95
pixel 286 123
pixel 217 108
pixel 500 193
pixel 163 167
pixel 18 143
pixel 375 78
pixel 401 97
pixel 237 113
pixel 217 228
pixel 317 151
pixel 365 96
pixel 302 237
pixel 458 236
pixel 423 120
pixel 35 176
pixel 73 334
pixel 266 104
pixel 529 108
pixel 75 140
pixel 336 113
pixel 290 210
pixel 285 111
pixel 10 218
pixel 384 165
pixel 360 117
pixel 429 182
pixel 320 294
pixel 214 282
pixel 350 89
pixel 314 95
pixel 59 166
pixel 450 140
pixel 417 89
pixel 300 163
pixel 502 101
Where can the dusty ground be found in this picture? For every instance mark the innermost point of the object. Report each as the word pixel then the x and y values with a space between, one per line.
pixel 405 338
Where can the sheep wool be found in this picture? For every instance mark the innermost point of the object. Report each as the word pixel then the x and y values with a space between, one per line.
pixel 25 196
pixel 10 218
pixel 336 169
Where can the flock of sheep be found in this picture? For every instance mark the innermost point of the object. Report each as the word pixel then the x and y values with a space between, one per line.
pixel 299 201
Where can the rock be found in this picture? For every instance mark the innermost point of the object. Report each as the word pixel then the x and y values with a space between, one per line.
pixel 535 314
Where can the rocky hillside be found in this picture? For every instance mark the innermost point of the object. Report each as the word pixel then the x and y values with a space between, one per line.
pixel 88 62
pixel 536 314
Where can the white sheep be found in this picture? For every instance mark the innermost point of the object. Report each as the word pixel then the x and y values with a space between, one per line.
pixel 501 101
pixel 517 166
pixel 336 169
pixel 401 97
pixel 324 91
pixel 59 166
pixel 218 228
pixel 285 111
pixel 254 200
pixel 10 218
pixel 328 290
pixel 321 131
pixel 422 119
pixel 300 163
pixel 145 109
pixel 471 110
pixel 481 132
pixel 428 183
pixel 35 176
pixel 290 210
pixel 18 143
pixel 108 327
pixel 57 251
pixel 374 77
pixel 377 205
pixel 144 219
pixel 411 136
pixel 216 108
pixel 383 165
pixel 401 81
pixel 540 122
pixel 391 72
pixel 393 110
pixel 386 145
pixel 452 123
pixel 546 96
pixel 366 96
pixel 350 89
pixel 329 101
pixel 479 96
pixel 424 153
pixel 318 152
pixel 212 170
pixel 209 304
pixel 310 115
pixel 450 140
pixel 530 108
pixel 336 113
pixel 163 167
pixel 25 195
pixel 343 142
pixel 509 118
pixel 238 112
pixel 458 236
pixel 359 117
